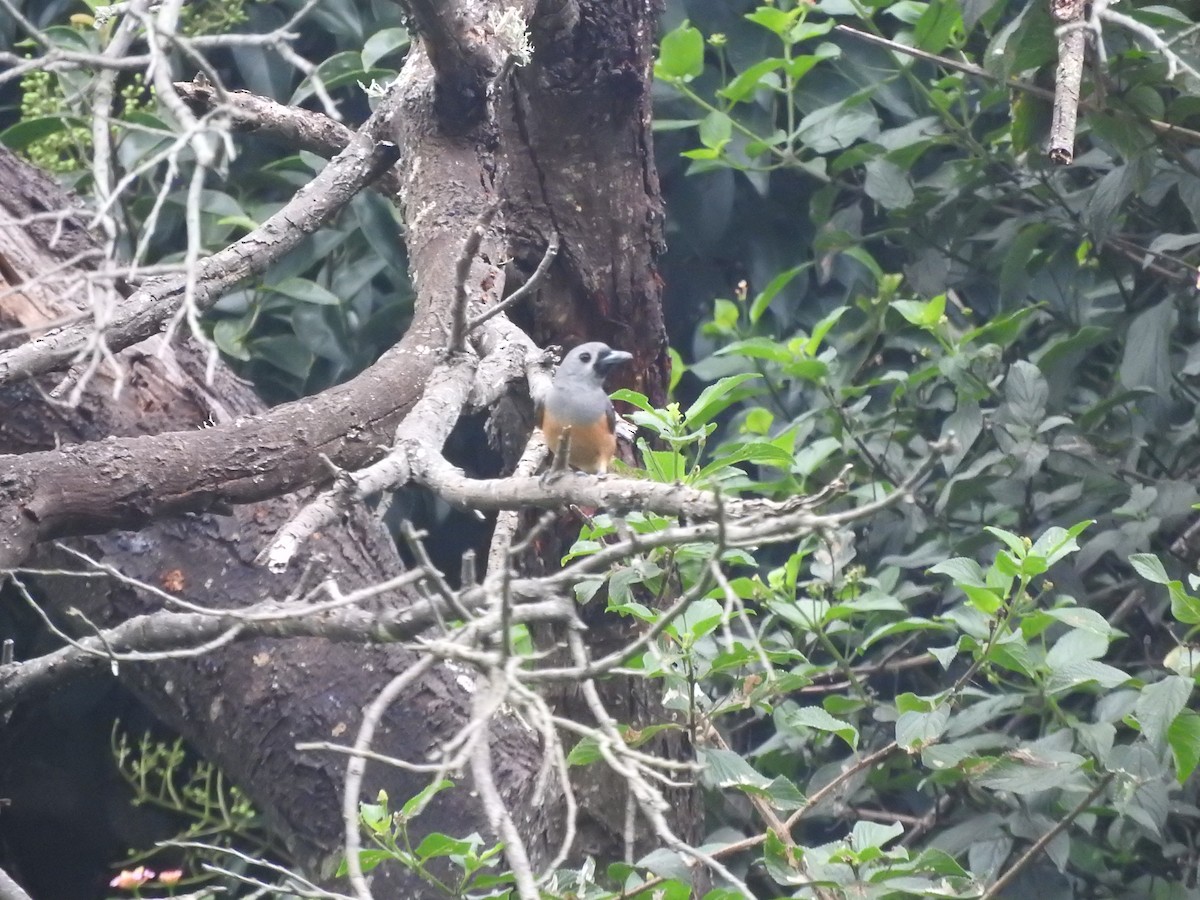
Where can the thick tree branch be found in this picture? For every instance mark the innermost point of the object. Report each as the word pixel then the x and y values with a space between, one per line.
pixel 462 63
pixel 58 492
pixel 293 126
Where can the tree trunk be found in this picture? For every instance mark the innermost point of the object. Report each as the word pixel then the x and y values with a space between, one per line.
pixel 569 154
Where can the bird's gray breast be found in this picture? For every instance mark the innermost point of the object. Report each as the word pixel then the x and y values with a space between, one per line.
pixel 584 406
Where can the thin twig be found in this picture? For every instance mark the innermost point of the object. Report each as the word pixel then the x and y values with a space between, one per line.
pixel 524 290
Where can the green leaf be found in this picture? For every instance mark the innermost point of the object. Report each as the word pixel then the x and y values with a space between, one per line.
pixel 922 314
pixel 716 398
pixel 700 618
pixel 726 769
pixel 338 70
pixel 940 20
pixel 1083 671
pixel 1014 543
pixel 1077 644
pixel 287 353
pixel 961 570
pixel 1183 736
pixel 383 43
pixel 917 729
pixel 230 336
pixel 773 19
pixel 822 328
pixel 1083 618
pixel 1184 607
pixel 1158 705
pixel 305 291
pixel 1183 660
pixel 889 186
pixel 1031 771
pixel 715 130
pixel 1055 543
pixel 725 315
pixel 749 81
pixel 633 398
pixel 759 452
pixel 873 834
pixel 1146 360
pixel 585 752
pixel 774 286
pixel 836 127
pixel 797 718
pixel 1025 393
pixel 437 846
pixel 1149 567
pixel 416 804
pixel 986 600
pixel 681 54
pixel 29 131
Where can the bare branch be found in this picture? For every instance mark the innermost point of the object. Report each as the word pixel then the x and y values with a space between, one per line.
pixel 145 312
pixel 1072 38
pixel 9 889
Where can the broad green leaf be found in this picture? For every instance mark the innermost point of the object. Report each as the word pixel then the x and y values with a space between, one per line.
pixel 716 398
pixel 749 81
pixel 1014 543
pixel 1183 736
pixel 888 185
pixel 417 803
pixel 1184 607
pixel 1158 705
pixel 796 718
pixel 437 846
pixel 1031 771
pixel 1146 360
pixel 715 130
pixel 939 21
pixel 873 834
pixel 37 128
pixel 681 54
pixel 774 19
pixel 1072 675
pixel 836 127
pixel 1149 567
pixel 776 284
pixel 382 43
pixel 305 291
pixel 917 729
pixel 961 570
pixel 726 769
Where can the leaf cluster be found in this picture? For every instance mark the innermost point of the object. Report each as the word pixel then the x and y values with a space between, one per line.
pixel 902 268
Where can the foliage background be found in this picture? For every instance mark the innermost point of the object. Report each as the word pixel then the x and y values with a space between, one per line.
pixel 867 253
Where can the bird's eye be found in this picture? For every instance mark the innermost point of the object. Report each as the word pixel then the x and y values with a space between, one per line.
pixel 585 357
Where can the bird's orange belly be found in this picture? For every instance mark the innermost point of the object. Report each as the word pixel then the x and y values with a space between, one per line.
pixel 592 446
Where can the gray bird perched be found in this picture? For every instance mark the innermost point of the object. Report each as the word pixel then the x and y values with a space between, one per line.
pixel 577 400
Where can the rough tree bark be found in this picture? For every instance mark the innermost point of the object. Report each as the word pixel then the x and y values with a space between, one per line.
pixel 568 154
pixel 247 706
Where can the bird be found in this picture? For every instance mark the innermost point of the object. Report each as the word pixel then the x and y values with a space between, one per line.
pixel 577 401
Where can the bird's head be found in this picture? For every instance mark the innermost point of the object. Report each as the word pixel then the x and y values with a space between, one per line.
pixel 590 362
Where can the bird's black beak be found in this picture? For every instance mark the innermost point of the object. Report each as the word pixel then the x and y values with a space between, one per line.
pixel 607 360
